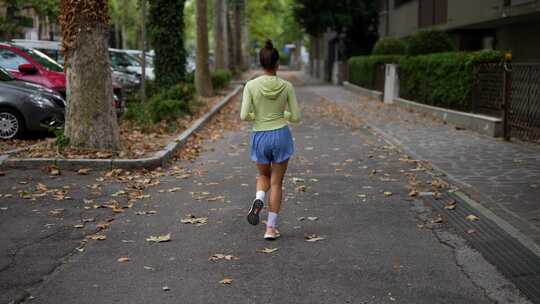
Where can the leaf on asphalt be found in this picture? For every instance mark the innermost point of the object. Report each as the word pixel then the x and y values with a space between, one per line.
pixel 149 212
pixel 451 205
pixel 123 259
pixel 175 189
pixel 119 193
pixel 159 239
pixel 388 193
pixel 313 218
pixel 220 256
pixel 83 171
pixel 268 250
pixel 78 226
pixel 313 238
pixel 471 231
pixel 148 268
pixel 472 218
pixel 413 193
pixel 97 237
pixel 297 180
pixel 102 226
pixel 57 211
pixel 191 219
pixel 301 218
pixel 53 170
pixel 301 188
pixel 437 220
pixel 226 281
pixel 165 288
pixel 314 180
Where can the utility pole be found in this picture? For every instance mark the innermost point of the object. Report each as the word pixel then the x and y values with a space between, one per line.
pixel 143 72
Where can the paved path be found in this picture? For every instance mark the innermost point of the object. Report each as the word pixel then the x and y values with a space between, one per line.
pixel 503 176
pixel 379 247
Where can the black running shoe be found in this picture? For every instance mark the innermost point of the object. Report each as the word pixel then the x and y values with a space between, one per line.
pixel 253 215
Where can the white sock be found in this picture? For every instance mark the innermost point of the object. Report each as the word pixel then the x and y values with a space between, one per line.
pixel 260 195
pixel 272 220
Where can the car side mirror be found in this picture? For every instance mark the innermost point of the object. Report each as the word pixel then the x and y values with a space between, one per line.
pixel 27 69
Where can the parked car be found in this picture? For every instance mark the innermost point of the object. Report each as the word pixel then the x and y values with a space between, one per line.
pixel 125 80
pixel 32 65
pixel 26 107
pixel 121 60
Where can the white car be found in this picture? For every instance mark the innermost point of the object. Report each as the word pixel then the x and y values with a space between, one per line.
pixel 121 59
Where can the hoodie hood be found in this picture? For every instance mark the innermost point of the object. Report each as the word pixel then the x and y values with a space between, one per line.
pixel 272 86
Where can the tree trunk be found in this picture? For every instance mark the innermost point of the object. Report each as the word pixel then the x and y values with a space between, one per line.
pixel 90 118
pixel 203 82
pixel 238 53
pixel 220 50
pixel 230 36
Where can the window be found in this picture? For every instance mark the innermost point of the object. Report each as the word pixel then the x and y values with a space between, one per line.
pixel 432 12
pixel 44 60
pixel 4 75
pixel 10 60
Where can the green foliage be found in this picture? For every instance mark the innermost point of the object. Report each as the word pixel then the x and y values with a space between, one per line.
pixel 428 42
pixel 166 33
pixel 443 79
pixel 357 18
pixel 220 79
pixel 61 140
pixel 171 103
pixel 362 69
pixel 126 16
pixel 390 46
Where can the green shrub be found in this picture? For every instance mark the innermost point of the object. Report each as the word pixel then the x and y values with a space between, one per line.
pixel 428 42
pixel 390 46
pixel 220 79
pixel 362 69
pixel 171 103
pixel 443 79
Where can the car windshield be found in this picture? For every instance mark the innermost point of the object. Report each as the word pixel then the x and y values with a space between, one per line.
pixel 5 76
pixel 44 60
pixel 120 59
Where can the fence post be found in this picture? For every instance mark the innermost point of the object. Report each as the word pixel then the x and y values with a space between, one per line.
pixel 507 76
pixel 391 83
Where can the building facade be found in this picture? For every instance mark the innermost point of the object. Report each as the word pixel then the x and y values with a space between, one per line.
pixel 512 25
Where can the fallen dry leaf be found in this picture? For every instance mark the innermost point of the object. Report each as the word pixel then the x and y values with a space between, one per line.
pixel 195 220
pixel 388 193
pixel 83 171
pixel 313 218
pixel 472 218
pixel 226 281
pixel 98 237
pixel 300 188
pixel 219 256
pixel 451 205
pixel 268 250
pixel 437 220
pixel 159 239
pixel 313 238
pixel 123 259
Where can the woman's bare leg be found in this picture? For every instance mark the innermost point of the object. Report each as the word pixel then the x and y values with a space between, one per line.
pixel 276 182
pixel 263 180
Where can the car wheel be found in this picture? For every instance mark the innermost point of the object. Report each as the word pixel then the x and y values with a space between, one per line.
pixel 11 124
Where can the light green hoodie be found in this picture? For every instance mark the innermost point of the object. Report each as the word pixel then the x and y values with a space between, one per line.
pixel 265 101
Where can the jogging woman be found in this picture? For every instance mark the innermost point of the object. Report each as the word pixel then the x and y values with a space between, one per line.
pixel 269 102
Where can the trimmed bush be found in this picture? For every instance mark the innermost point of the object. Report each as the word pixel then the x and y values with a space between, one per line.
pixel 171 103
pixel 444 79
pixel 362 70
pixel 390 46
pixel 220 79
pixel 429 42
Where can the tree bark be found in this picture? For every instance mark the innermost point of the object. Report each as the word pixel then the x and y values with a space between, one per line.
pixel 238 52
pixel 203 82
pixel 90 118
pixel 220 35
pixel 230 36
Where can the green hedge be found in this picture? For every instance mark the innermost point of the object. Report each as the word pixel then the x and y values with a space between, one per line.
pixel 220 79
pixel 428 42
pixel 390 46
pixel 442 79
pixel 362 69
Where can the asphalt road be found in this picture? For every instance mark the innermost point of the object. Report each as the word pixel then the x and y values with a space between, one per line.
pixel 379 246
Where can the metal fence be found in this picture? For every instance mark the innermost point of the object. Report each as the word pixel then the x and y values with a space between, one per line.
pixel 511 93
pixel 524 114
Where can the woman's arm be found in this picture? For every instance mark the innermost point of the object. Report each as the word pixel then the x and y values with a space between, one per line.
pixel 246 112
pixel 293 115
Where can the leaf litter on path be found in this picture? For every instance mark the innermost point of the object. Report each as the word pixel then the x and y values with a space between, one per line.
pixel 226 281
pixel 313 238
pixel 220 256
pixel 268 250
pixel 159 239
pixel 192 219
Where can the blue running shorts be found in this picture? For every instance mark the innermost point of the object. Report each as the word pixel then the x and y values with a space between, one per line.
pixel 274 146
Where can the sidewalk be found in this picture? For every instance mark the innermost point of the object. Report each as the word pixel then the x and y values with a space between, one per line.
pixel 503 176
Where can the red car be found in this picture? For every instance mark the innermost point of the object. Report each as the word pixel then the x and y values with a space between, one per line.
pixel 31 65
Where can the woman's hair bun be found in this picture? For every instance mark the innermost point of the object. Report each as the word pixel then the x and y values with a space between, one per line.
pixel 269 45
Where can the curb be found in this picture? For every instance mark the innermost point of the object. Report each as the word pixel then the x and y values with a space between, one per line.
pixel 159 159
